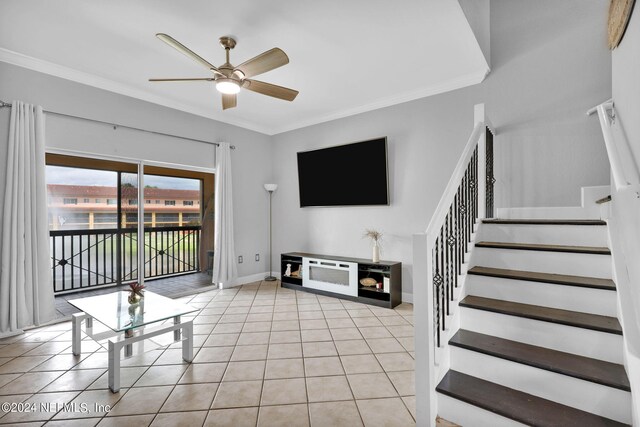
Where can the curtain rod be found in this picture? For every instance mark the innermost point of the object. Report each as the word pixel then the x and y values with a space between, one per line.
pixel 115 125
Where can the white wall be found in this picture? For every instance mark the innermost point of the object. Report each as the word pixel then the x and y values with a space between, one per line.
pixel 550 64
pixel 478 14
pixel 250 170
pixel 625 223
pixel 425 139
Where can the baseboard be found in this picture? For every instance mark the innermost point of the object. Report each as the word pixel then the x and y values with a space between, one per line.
pixel 243 280
pixel 11 333
pixel 407 297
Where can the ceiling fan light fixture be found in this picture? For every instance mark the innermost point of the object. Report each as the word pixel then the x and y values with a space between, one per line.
pixel 227 86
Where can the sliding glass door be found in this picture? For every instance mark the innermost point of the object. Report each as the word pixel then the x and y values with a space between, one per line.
pixel 94 222
pixel 173 223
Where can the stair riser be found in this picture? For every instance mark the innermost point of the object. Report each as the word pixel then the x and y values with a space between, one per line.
pixel 544 261
pixel 584 342
pixel 587 396
pixel 575 235
pixel 465 414
pixel 547 213
pixel 586 300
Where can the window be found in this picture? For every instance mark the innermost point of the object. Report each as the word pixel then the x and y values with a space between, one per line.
pixel 104 218
pixel 157 202
pixel 72 218
pixel 169 202
pixel 133 202
pixel 86 201
pixel 112 201
pixel 163 219
pixel 187 203
pixel 147 201
pixel 191 219
pixel 70 201
pixel 97 200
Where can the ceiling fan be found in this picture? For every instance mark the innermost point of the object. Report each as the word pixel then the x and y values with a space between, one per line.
pixel 230 79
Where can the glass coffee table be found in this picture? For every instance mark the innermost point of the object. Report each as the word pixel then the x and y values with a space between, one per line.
pixel 128 324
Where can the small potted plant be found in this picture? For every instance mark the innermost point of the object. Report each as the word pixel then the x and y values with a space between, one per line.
pixel 376 237
pixel 136 293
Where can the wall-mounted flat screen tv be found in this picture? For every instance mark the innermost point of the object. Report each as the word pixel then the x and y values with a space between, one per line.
pixel 345 175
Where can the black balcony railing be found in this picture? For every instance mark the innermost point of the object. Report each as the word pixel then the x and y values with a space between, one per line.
pixel 85 259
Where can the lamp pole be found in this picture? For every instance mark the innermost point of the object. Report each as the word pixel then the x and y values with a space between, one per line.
pixel 270 188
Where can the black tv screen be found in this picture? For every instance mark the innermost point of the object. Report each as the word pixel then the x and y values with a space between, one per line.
pixel 345 175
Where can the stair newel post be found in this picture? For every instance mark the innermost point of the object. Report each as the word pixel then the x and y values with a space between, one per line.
pixel 425 337
pixel 479 117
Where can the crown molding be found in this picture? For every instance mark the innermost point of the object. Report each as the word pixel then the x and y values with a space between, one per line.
pixel 46 67
pixel 450 85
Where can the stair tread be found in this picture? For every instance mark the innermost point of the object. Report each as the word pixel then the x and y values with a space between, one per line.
pixel 533 276
pixel 544 247
pixel 585 368
pixel 554 315
pixel 545 221
pixel 517 405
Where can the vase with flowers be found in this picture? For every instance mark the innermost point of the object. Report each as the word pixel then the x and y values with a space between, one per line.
pixel 376 238
pixel 136 293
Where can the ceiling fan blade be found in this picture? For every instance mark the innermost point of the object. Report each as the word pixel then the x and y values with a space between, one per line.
pixel 264 62
pixel 270 89
pixel 185 50
pixel 229 100
pixel 192 79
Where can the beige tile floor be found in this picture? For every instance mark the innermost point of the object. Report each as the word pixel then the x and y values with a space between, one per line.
pixel 264 356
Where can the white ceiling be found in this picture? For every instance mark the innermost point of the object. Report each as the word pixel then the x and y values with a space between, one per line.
pixel 346 56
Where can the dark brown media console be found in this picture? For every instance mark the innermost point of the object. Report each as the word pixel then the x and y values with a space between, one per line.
pixel 344 269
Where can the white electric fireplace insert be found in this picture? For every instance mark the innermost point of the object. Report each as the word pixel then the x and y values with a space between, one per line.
pixel 332 276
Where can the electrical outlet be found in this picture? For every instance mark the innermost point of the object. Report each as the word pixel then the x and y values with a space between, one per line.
pixel 240 259
pixel 257 257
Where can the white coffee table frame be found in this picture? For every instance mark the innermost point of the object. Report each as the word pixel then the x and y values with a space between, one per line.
pixel 182 331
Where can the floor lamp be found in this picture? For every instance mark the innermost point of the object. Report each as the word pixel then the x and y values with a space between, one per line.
pixel 270 188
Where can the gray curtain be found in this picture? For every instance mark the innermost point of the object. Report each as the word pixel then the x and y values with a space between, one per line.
pixel 224 257
pixel 26 293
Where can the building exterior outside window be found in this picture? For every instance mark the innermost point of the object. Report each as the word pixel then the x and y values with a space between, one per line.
pixel 164 208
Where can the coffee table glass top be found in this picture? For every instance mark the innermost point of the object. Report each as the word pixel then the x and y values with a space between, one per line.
pixel 114 311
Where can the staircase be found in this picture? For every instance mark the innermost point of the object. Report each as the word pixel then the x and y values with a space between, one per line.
pixel 539 341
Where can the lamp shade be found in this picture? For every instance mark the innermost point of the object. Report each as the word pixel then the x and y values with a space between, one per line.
pixel 270 187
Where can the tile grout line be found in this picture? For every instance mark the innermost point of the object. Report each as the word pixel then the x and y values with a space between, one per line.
pixel 274 298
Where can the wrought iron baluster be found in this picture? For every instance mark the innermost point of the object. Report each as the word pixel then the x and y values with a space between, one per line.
pixel 452 247
pixel 460 230
pixel 63 263
pixel 71 263
pixel 490 178
pixel 442 269
pixel 447 262
pixel 54 263
pixel 80 260
pixel 475 192
pixel 437 280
